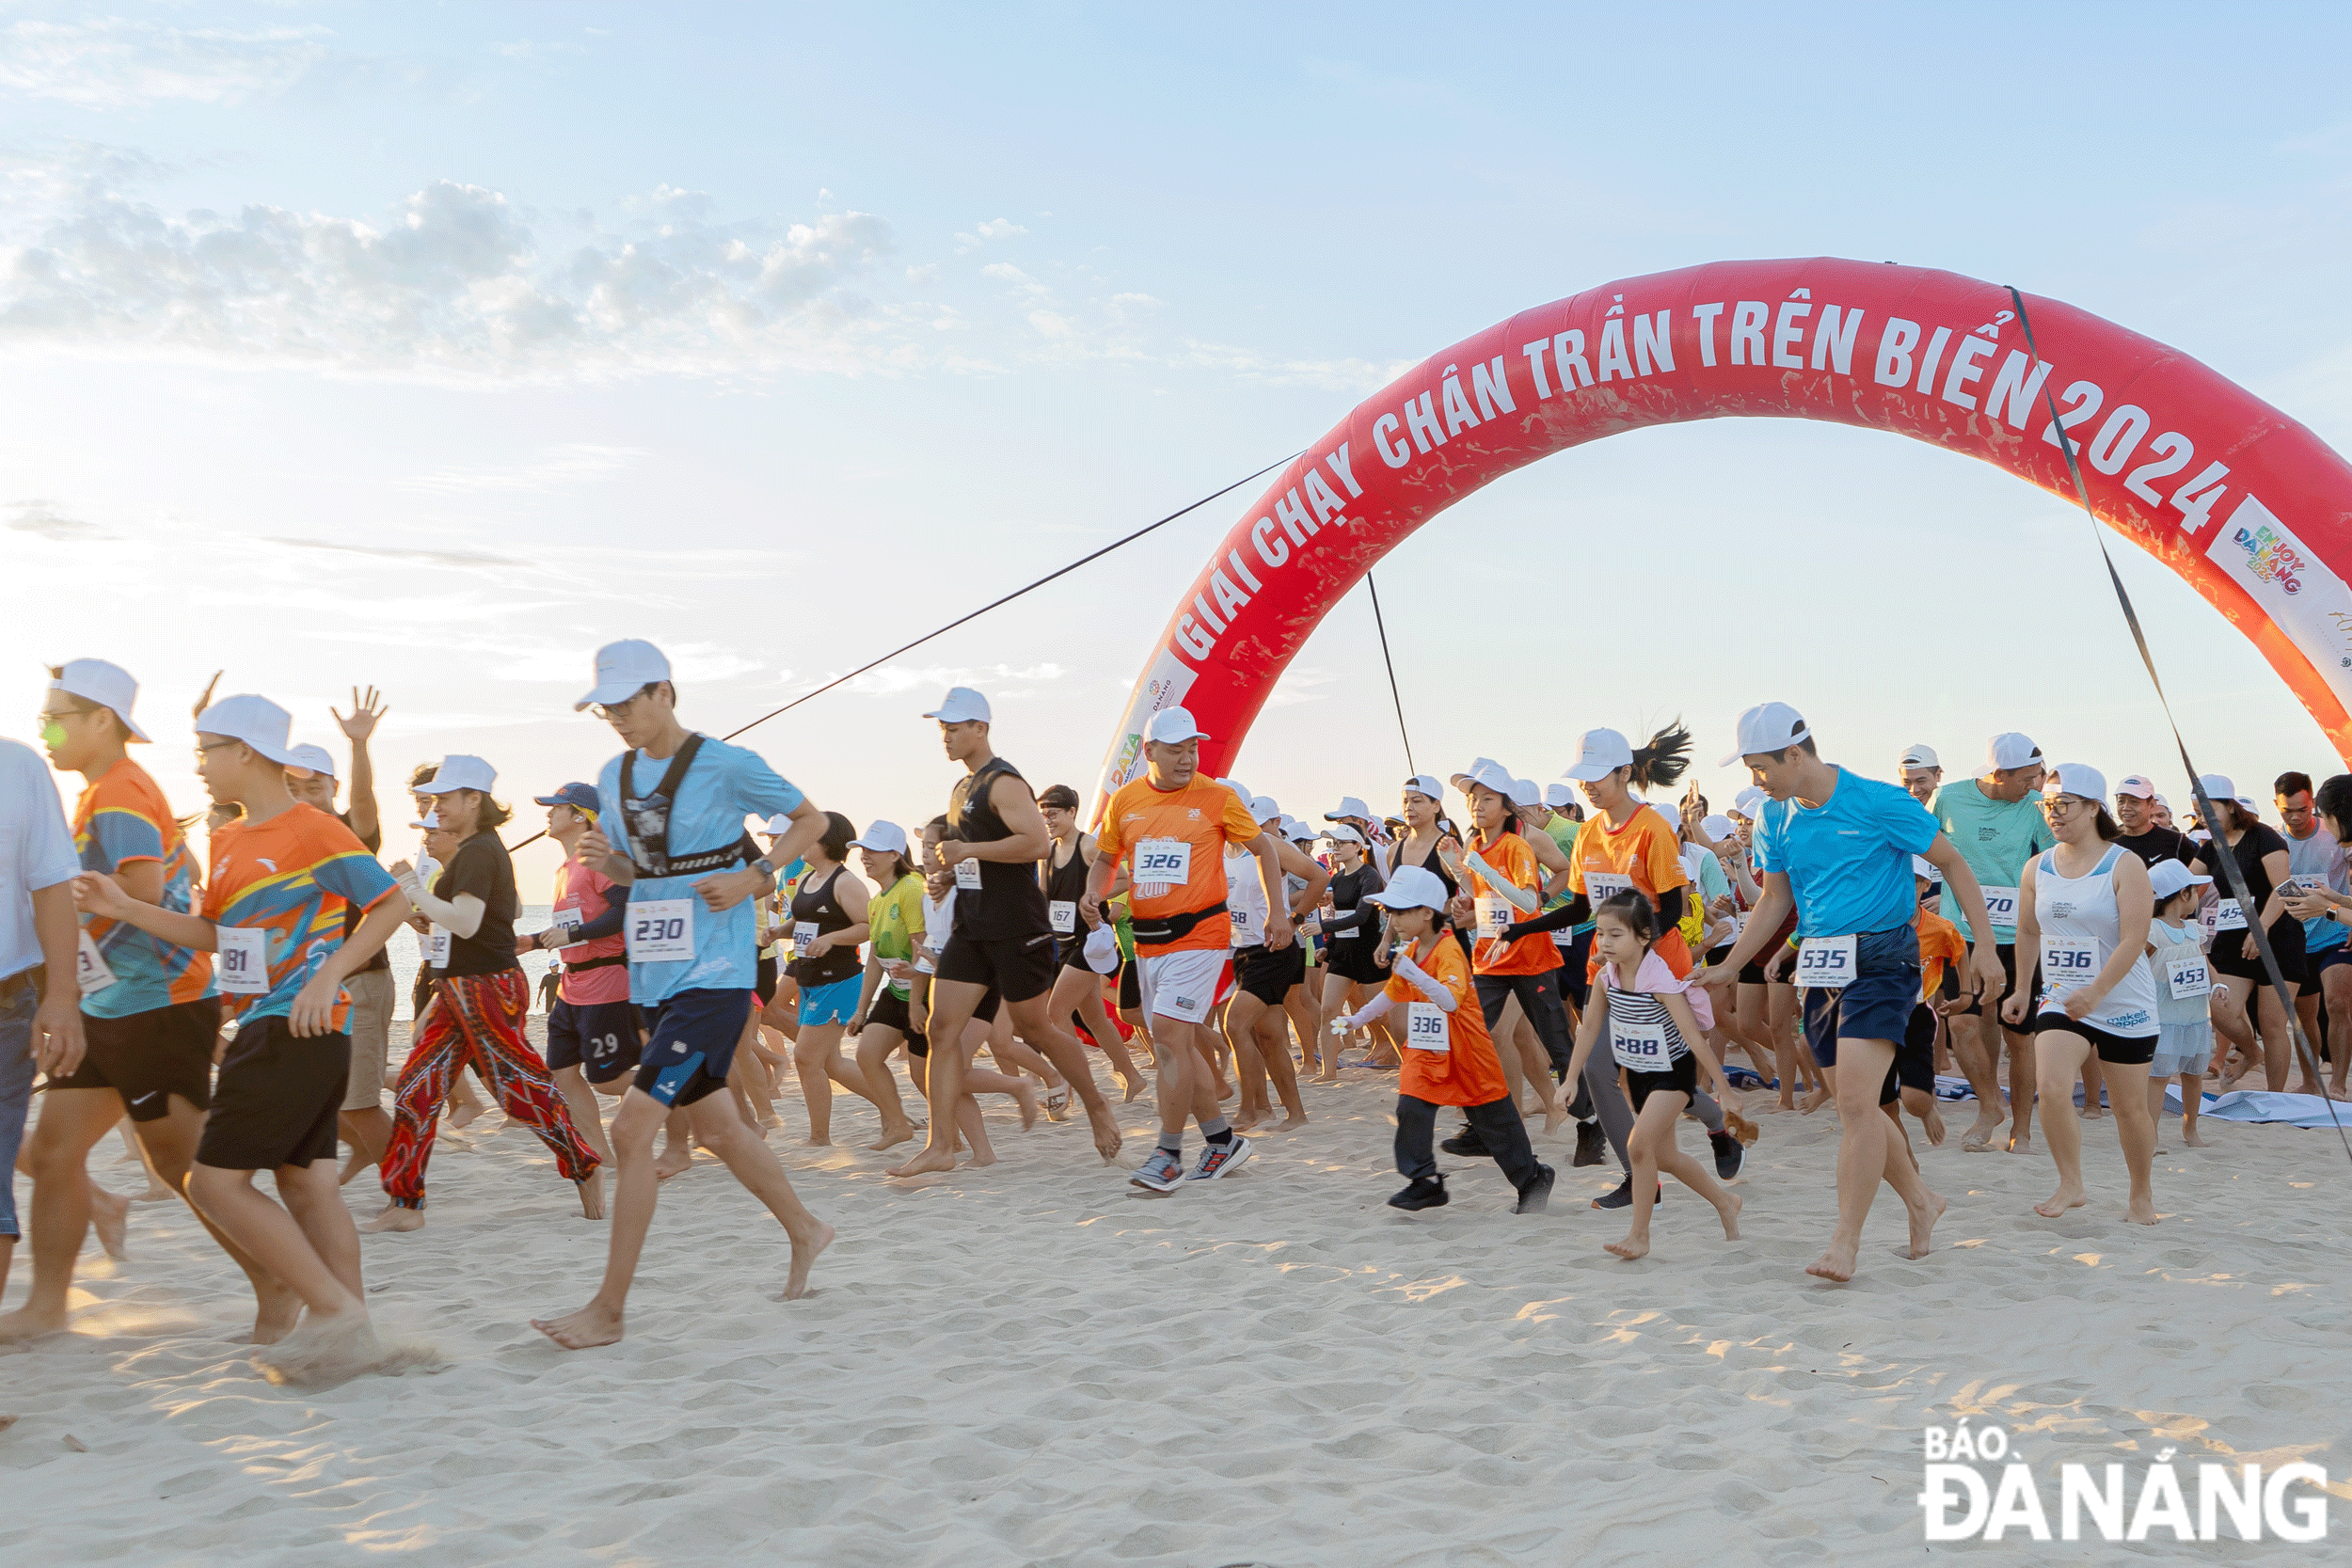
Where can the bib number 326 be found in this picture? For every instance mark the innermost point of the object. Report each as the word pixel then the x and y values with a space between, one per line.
pixel 662 931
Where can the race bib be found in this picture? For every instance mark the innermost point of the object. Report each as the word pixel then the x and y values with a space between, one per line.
pixel 2066 966
pixel 2000 906
pixel 2187 978
pixel 1245 921
pixel 1425 1027
pixel 89 967
pixel 567 924
pixel 434 946
pixel 968 876
pixel 1639 1046
pixel 1493 915
pixel 1601 886
pixel 662 931
pixel 1564 936
pixel 1062 914
pixel 2229 914
pixel 803 932
pixel 242 961
pixel 1825 963
pixel 1161 864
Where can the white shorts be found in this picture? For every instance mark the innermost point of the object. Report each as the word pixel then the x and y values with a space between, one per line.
pixel 1183 986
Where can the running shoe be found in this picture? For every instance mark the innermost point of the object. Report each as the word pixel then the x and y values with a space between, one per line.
pixel 1467 1144
pixel 1590 1147
pixel 1537 1195
pixel 1159 1173
pixel 1623 1196
pixel 1427 1192
pixel 1729 1156
pixel 1218 1159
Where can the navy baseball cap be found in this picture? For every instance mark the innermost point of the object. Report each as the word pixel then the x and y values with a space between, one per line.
pixel 579 797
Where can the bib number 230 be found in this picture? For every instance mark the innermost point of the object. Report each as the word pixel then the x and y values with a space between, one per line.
pixel 662 931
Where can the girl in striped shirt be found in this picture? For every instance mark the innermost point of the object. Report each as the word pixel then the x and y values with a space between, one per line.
pixel 1657 1033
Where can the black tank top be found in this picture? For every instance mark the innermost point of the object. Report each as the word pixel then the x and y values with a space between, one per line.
pixel 1066 884
pixel 1007 902
pixel 816 904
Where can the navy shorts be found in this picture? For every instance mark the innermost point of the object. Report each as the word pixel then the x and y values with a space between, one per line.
pixel 690 1047
pixel 1877 1005
pixel 598 1038
pixel 2328 957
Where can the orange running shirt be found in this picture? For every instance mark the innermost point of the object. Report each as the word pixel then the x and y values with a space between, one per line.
pixel 1643 855
pixel 1939 944
pixel 1469 1073
pixel 1515 858
pixel 290 879
pixel 1187 830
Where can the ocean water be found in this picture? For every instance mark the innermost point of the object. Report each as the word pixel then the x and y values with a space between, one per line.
pixel 403 947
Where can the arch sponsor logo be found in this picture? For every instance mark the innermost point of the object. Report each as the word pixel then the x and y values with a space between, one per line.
pixel 2287 578
pixel 1976 1487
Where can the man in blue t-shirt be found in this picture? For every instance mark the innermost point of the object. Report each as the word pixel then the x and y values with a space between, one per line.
pixel 672 832
pixel 1838 848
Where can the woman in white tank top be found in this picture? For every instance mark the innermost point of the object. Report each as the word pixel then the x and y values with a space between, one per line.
pixel 2084 909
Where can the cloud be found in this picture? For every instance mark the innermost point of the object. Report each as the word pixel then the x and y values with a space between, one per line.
pixel 421 558
pixel 553 469
pixel 525 49
pixel 995 228
pixel 116 62
pixel 43 518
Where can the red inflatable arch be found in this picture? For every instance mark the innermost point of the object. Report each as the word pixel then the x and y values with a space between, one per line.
pixel 2236 496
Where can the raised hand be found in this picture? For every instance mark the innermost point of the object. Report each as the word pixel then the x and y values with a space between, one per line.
pixel 365 711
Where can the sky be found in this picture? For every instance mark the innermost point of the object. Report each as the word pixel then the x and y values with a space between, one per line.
pixel 432 346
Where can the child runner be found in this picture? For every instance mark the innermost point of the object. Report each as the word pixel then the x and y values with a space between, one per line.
pixel 1449 1059
pixel 894 917
pixel 2183 981
pixel 273 909
pixel 1943 958
pixel 595 1036
pixel 1656 1027
pixel 673 828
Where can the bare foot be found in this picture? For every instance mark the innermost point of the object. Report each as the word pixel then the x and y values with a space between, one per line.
pixel 352 1167
pixel 924 1162
pixel 2020 1146
pixel 980 1162
pixel 1835 1262
pixel 156 1192
pixel 1785 1103
pixel 1331 1077
pixel 591 1197
pixel 464 1116
pixel 1554 1117
pixel 109 1216
pixel 1106 1126
pixel 1814 1099
pixel 328 1351
pixel 813 1141
pixel 590 1326
pixel 1730 1214
pixel 1292 1124
pixel 1224 1090
pixel 1923 1220
pixel 2140 1212
pixel 1135 1087
pixel 1934 1122
pixel 677 1154
pixel 27 1323
pixel 2058 1202
pixel 1978 1138
pixel 805 1251
pixel 394 1217
pixel 276 1310
pixel 892 1136
pixel 1631 1248
pixel 2093 1112
pixel 1247 1122
pixel 1024 1095
pixel 2189 1136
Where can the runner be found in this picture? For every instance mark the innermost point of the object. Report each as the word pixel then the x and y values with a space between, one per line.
pixel 2317 861
pixel 1655 1027
pixel 40 1021
pixel 883 1020
pixel 2184 987
pixel 1352 813
pixel 1002 939
pixel 1175 825
pixel 1994 820
pixel 1077 989
pixel 829 920
pixel 1267 980
pixel 673 830
pixel 1922 773
pixel 480 1001
pixel 273 911
pixel 1450 1059
pixel 2135 814
pixel 2086 906
pixel 2263 860
pixel 1942 958
pixel 595 1036
pixel 1841 847
pixel 1351 931
pixel 1503 880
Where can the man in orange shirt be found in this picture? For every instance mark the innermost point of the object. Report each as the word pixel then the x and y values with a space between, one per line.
pixel 1173 826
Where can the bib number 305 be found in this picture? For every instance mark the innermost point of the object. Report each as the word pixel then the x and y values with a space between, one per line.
pixel 662 931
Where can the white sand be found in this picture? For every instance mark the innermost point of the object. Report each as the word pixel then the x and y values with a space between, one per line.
pixel 1037 1363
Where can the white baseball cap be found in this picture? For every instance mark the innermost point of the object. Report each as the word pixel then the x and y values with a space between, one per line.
pixel 1559 796
pixel 2075 777
pixel 1422 784
pixel 1526 792
pixel 256 720
pixel 883 838
pixel 2218 787
pixel 1919 756
pixel 1599 753
pixel 1348 806
pixel 1747 800
pixel 109 686
pixel 2139 786
pixel 777 826
pixel 1767 727
pixel 1718 827
pixel 1264 809
pixel 1298 832
pixel 961 705
pixel 2168 876
pixel 1411 887
pixel 316 758
pixel 459 772
pixel 1922 866
pixel 1174 726
pixel 430 821
pixel 2009 750
pixel 1486 771
pixel 1339 833
pixel 623 670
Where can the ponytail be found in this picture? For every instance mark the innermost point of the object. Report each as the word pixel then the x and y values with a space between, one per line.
pixel 1666 758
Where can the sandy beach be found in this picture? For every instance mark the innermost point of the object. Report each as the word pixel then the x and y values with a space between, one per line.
pixel 1037 1363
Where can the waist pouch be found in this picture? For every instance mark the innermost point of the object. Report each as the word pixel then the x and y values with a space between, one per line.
pixel 1174 927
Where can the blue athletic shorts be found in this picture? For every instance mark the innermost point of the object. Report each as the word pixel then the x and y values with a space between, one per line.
pixel 831 1003
pixel 691 1044
pixel 1877 1005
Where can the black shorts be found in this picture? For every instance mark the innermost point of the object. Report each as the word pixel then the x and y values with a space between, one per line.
pixel 889 1011
pixel 1915 1058
pixel 1350 956
pixel 2123 1049
pixel 1130 988
pixel 1015 968
pixel 148 1057
pixel 1577 959
pixel 1269 972
pixel 690 1042
pixel 277 1101
pixel 601 1038
pixel 2007 950
pixel 2286 942
pixel 1682 1075
pixel 764 980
